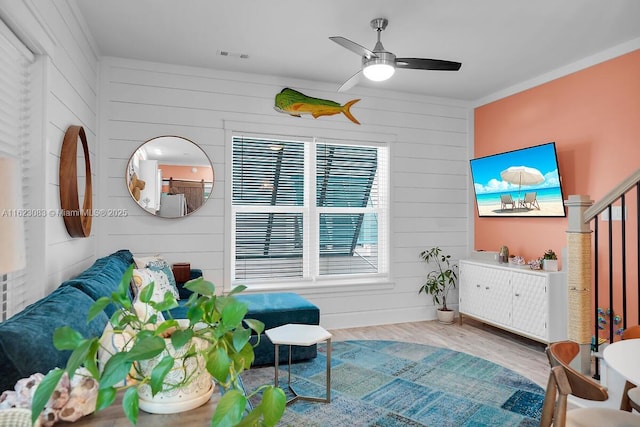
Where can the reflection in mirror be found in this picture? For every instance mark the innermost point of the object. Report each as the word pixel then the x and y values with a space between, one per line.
pixel 170 176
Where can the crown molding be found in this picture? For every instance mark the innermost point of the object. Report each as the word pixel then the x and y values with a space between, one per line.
pixel 587 62
pixel 26 22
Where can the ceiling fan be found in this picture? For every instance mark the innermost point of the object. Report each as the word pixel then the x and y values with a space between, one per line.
pixel 379 64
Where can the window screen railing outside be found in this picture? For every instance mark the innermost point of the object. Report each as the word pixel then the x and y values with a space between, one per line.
pixel 284 227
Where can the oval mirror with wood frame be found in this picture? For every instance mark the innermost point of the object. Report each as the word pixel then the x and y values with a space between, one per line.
pixel 170 176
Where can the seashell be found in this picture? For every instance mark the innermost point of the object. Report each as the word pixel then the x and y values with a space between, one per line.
pixel 60 395
pixel 8 399
pixel 73 410
pixel 26 387
pixel 49 416
pixel 82 397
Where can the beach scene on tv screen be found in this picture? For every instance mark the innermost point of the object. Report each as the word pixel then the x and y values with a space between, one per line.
pixel 524 182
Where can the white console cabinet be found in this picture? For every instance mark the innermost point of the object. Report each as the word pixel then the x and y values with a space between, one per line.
pixel 518 299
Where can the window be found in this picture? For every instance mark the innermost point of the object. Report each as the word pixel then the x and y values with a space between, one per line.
pixel 15 83
pixel 305 210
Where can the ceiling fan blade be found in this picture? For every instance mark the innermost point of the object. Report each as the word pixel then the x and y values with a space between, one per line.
pixel 427 64
pixel 353 80
pixel 353 47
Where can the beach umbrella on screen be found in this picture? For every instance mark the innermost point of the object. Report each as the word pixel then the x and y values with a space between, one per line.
pixel 522 175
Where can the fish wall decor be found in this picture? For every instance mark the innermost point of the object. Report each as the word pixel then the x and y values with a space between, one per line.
pixel 292 102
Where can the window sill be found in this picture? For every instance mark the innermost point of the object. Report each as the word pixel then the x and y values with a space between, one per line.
pixel 322 286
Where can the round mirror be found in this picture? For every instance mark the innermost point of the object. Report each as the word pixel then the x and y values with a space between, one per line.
pixel 169 176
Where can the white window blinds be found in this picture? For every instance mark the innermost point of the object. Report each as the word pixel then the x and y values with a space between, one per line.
pixel 347 199
pixel 15 62
pixel 268 189
pixel 302 210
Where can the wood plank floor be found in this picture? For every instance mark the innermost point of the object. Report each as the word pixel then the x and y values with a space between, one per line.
pixel 519 354
pixel 522 355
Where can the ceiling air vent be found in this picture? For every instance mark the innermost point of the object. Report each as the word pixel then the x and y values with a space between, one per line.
pixel 233 54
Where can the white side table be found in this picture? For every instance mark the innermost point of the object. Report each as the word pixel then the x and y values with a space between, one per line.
pixel 300 335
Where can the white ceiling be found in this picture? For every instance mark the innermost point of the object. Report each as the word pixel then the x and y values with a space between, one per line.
pixel 500 42
pixel 174 150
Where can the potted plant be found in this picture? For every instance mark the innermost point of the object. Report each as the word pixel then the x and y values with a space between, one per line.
pixel 549 261
pixel 439 281
pixel 216 320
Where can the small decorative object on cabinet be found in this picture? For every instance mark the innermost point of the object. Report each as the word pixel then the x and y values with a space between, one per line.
pixel 213 340
pixel 439 281
pixel 535 264
pixel 516 260
pixel 526 302
pixel 503 255
pixel 549 261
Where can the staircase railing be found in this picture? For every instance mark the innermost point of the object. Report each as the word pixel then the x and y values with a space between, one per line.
pixel 616 257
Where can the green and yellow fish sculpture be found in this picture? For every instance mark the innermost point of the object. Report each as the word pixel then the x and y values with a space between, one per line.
pixel 292 102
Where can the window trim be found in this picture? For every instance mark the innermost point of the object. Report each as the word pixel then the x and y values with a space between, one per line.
pixel 336 283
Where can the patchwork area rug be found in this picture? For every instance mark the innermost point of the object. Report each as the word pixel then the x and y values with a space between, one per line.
pixel 390 383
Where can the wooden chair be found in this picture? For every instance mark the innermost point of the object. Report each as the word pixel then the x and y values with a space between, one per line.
pixel 631 393
pixel 530 201
pixel 563 381
pixel 506 199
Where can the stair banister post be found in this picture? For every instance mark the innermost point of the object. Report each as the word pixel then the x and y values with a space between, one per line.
pixel 579 317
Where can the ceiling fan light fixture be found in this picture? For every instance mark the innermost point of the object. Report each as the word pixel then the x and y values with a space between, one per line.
pixel 379 64
pixel 378 72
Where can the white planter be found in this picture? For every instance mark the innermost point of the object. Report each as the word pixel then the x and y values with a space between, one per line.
pixel 445 317
pixel 196 393
pixel 550 264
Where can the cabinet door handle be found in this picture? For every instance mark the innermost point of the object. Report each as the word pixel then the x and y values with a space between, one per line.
pixel 517 295
pixel 477 286
pixel 487 288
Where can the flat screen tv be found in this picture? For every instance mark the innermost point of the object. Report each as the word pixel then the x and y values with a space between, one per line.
pixel 524 183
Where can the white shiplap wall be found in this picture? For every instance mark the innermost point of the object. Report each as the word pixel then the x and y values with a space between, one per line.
pixel 72 79
pixel 429 161
pixel 65 93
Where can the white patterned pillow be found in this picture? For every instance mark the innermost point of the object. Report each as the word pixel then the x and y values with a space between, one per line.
pixel 157 263
pixel 144 312
pixel 142 277
pixel 162 284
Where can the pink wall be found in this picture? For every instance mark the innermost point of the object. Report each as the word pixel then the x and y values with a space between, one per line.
pixel 594 118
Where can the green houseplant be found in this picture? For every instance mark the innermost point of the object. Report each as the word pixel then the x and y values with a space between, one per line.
pixel 549 260
pixel 439 281
pixel 219 320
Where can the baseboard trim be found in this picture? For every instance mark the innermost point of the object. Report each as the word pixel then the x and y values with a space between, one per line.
pixel 378 317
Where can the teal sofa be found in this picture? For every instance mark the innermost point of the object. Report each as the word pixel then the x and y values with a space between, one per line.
pixel 26 339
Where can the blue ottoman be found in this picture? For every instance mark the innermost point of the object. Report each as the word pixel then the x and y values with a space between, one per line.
pixel 277 309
